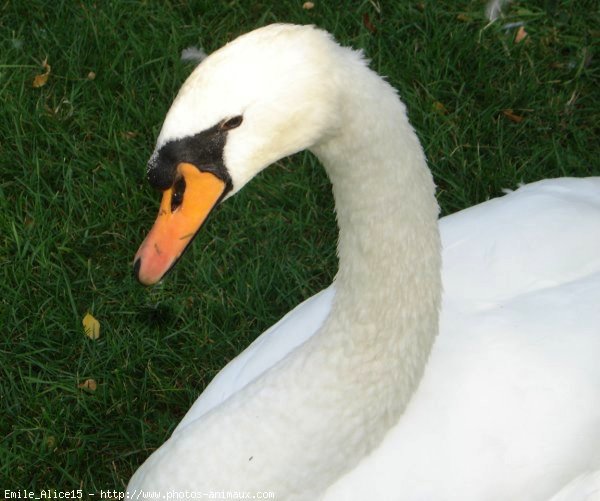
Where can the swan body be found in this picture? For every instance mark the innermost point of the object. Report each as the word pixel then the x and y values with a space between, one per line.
pixel 585 487
pixel 509 404
pixel 334 402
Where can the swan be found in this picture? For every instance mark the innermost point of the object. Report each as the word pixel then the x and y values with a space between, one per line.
pixel 586 487
pixel 353 395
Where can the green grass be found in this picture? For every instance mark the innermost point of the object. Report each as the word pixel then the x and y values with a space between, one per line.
pixel 75 205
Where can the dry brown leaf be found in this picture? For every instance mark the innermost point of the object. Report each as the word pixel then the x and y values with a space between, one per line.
pixel 41 79
pixel 308 5
pixel 512 116
pixel 91 326
pixel 368 24
pixel 440 108
pixel 91 75
pixel 464 18
pixel 129 134
pixel 88 385
pixel 521 34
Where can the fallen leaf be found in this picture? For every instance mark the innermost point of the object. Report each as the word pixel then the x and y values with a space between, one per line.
pixel 513 117
pixel 521 34
pixel 464 18
pixel 41 79
pixel 129 134
pixel 368 24
pixel 88 385
pixel 308 5
pixel 439 107
pixel 91 75
pixel 91 326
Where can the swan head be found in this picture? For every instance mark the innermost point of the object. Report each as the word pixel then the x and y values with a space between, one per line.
pixel 264 96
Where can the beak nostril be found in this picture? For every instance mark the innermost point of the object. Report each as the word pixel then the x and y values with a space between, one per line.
pixel 177 196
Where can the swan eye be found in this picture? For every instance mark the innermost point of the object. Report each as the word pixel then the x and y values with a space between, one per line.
pixel 177 197
pixel 232 123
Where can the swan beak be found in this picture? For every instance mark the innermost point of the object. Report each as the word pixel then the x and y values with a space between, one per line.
pixel 183 209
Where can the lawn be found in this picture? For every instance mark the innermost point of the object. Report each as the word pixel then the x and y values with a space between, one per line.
pixel 492 112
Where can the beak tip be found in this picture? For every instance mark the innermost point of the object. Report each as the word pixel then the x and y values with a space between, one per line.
pixel 144 277
pixel 137 264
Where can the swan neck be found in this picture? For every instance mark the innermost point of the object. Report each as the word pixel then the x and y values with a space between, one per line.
pixel 389 247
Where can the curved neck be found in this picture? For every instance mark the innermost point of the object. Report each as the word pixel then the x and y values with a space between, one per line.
pixel 389 248
pixel 385 314
pixel 310 418
pixel 330 402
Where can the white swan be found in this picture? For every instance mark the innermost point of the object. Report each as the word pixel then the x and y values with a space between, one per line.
pixel 586 487
pixel 327 403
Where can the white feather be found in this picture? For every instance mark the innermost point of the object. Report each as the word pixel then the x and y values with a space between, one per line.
pixel 193 54
pixel 494 8
pixel 585 487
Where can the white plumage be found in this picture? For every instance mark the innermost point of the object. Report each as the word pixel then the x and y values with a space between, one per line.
pixel 193 55
pixel 327 403
pixel 493 9
pixel 586 487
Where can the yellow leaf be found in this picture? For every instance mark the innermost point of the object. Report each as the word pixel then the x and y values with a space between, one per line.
pixel 40 80
pixel 439 107
pixel 130 134
pixel 89 385
pixel 521 35
pixel 91 326
pixel 512 116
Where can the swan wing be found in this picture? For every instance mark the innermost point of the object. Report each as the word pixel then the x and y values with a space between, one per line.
pixel 585 487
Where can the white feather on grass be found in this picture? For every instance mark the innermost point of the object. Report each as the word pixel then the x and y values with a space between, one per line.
pixel 494 9
pixel 193 55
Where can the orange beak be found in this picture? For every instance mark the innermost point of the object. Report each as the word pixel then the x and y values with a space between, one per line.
pixel 183 209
